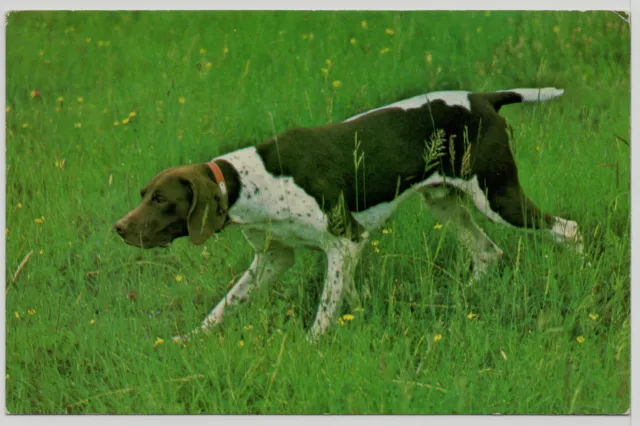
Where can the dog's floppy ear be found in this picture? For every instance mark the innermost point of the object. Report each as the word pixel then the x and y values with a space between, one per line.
pixel 208 211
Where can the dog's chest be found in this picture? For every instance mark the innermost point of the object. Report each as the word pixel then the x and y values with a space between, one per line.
pixel 274 204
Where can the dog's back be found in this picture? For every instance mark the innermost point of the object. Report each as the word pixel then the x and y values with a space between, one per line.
pixel 375 156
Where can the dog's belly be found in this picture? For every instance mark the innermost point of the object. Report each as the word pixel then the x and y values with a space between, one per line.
pixel 292 234
pixel 437 186
pixel 375 216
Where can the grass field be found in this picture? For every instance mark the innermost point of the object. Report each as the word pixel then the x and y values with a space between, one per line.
pixel 97 103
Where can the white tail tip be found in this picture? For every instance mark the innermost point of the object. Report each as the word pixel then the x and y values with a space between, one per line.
pixel 538 95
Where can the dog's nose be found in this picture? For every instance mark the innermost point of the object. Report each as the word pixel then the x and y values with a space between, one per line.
pixel 119 227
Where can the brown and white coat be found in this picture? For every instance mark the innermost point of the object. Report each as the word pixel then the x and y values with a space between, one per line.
pixel 326 187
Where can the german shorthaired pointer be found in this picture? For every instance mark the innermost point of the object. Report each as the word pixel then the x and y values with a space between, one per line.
pixel 325 187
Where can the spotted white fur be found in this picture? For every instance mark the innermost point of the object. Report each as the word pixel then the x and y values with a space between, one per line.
pixel 276 203
pixel 277 215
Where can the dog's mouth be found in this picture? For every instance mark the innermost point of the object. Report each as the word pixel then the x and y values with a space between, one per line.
pixel 158 239
pixel 147 244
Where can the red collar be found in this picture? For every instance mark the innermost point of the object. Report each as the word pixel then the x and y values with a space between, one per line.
pixel 217 173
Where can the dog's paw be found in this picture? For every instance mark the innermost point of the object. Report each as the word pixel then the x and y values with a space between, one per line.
pixel 482 262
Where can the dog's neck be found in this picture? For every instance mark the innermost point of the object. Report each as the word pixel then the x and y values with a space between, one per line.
pixel 231 179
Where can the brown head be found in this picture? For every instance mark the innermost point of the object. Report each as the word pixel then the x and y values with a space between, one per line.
pixel 178 202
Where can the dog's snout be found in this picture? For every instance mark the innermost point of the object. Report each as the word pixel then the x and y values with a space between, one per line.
pixel 119 227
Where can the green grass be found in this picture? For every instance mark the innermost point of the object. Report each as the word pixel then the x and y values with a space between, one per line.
pixel 79 342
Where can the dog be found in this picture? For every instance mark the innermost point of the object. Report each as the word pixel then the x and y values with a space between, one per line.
pixel 327 187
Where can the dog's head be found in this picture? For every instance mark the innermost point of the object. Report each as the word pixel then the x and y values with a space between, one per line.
pixel 177 202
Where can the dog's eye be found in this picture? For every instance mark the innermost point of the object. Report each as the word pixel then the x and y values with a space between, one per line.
pixel 157 198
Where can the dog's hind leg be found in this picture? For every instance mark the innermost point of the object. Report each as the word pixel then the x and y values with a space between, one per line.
pixel 508 204
pixel 446 205
pixel 270 261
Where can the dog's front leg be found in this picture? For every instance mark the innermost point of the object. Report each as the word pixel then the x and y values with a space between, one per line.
pixel 266 266
pixel 342 257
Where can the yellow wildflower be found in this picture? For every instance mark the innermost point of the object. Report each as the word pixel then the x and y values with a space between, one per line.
pixel 348 317
pixel 429 58
pixel 471 315
pixel 80 99
pixel 203 50
pixel 375 243
pixel 17 315
pixel 364 25
pixel 437 226
pixel 115 123
pixel 226 50
pixel 41 251
pixel 387 231
pixel 241 344
pixel 337 83
pixel 437 337
pixel 556 29
pixel 92 322
pixel 209 65
pixel 60 99
pixel 328 62
pixel 39 220
pixel 580 339
pixel 31 311
pixel 353 40
pixel 19 205
pixel 181 99
pixel 25 125
pixel 377 250
pixel 125 121
pixel 158 342
pixel 593 316
pixel 100 43
pixel 248 327
pixel 7 109
pixel 324 71
pixel 385 50
pixel 389 31
pixel 132 114
pixel 178 278
pixel 77 125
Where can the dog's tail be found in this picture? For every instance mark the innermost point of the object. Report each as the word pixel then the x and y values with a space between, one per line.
pixel 506 97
